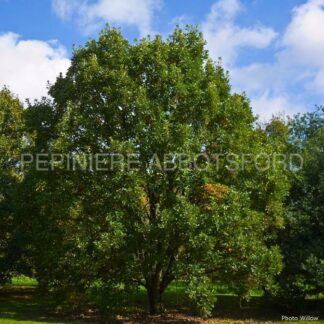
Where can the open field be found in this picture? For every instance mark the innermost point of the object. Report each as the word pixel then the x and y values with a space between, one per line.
pixel 21 303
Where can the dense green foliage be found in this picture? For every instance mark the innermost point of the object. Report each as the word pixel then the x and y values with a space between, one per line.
pixel 200 217
pixel 302 239
pixel 11 142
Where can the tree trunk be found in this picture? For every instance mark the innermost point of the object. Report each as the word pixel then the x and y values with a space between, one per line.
pixel 154 299
pixel 156 286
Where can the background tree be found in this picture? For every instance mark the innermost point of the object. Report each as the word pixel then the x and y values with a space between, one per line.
pixel 302 238
pixel 11 143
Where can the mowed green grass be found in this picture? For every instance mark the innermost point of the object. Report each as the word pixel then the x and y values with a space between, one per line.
pixel 24 281
pixel 20 303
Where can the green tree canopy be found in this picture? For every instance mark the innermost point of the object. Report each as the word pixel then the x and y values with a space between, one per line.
pixel 209 221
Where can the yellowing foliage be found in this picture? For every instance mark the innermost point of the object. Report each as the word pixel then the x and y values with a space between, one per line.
pixel 215 190
pixel 143 201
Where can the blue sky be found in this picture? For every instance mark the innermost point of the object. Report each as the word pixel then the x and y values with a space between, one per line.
pixel 274 50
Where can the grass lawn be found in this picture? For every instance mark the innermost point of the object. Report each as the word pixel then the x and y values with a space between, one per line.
pixel 20 303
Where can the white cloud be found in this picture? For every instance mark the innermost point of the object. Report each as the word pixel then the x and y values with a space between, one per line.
pixel 92 16
pixel 304 36
pixel 266 85
pixel 302 44
pixel 267 105
pixel 224 37
pixel 65 8
pixel 27 65
pixel 253 77
pixel 317 84
pixel 298 56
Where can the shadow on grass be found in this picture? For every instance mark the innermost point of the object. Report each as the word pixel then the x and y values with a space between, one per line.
pixel 263 310
pixel 23 304
pixel 228 309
